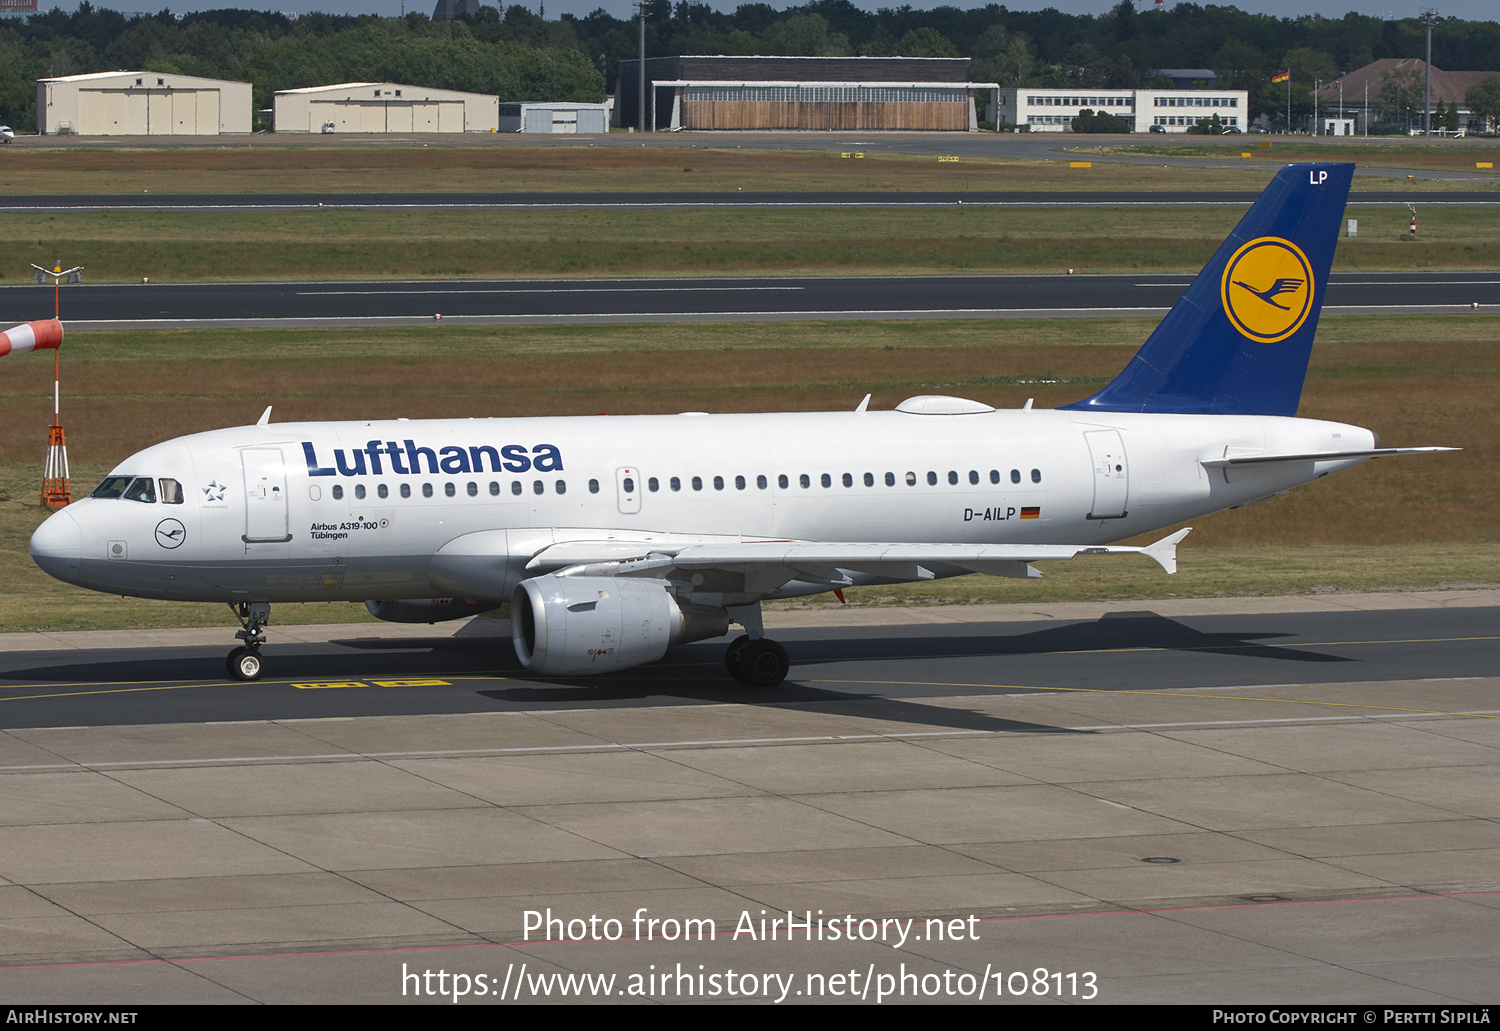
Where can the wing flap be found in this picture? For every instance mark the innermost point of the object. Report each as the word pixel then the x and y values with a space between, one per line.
pixel 819 562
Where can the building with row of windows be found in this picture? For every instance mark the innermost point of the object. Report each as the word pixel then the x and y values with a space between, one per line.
pixel 1143 110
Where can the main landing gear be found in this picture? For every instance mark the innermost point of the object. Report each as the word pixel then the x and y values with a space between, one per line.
pixel 245 663
pixel 752 659
pixel 756 663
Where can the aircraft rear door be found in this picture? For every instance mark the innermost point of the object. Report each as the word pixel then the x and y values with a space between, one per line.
pixel 1111 474
pixel 265 496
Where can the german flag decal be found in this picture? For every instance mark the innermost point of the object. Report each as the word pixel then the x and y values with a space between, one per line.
pixel 1031 513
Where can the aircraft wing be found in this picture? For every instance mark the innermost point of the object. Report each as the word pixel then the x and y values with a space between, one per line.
pixel 767 565
pixel 1321 456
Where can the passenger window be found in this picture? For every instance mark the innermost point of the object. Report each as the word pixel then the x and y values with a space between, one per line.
pixel 804 480
pixel 697 483
pixel 869 479
pixel 760 482
pixel 171 492
pixel 628 483
pixel 562 486
pixel 739 483
pixel 953 477
pixel 718 483
pixel 994 475
pixel 406 490
pixel 890 479
pixel 1036 476
pixel 973 475
pixel 911 479
pixel 653 485
pixel 1015 476
pixel 426 490
pixel 931 478
pixel 383 491
pixel 515 486
pixel 593 486
pixel 783 482
pixel 473 490
pixel 359 491
pixel 494 489
pixel 338 492
pixel 826 480
pixel 448 489
pixel 141 489
pixel 675 483
pixel 537 487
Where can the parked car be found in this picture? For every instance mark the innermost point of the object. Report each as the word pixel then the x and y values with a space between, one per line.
pixel 1156 128
pixel 329 127
pixel 1231 131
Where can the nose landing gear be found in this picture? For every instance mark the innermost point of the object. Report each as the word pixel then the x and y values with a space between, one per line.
pixel 245 663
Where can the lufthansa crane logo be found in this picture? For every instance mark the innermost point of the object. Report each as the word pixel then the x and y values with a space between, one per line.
pixel 1268 289
pixel 170 533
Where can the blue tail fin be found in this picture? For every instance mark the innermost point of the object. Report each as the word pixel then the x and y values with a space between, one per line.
pixel 1238 341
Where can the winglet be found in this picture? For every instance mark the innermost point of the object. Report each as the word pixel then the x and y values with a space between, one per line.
pixel 265 417
pixel 1164 551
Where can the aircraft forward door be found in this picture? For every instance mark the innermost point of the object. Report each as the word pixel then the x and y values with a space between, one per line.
pixel 265 496
pixel 1111 474
pixel 628 489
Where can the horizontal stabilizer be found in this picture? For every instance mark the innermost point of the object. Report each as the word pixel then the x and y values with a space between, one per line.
pixel 1321 456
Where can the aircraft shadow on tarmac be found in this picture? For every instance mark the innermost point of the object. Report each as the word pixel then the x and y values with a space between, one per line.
pixel 698 665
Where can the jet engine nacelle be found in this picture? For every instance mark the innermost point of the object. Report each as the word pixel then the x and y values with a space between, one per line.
pixel 428 610
pixel 568 625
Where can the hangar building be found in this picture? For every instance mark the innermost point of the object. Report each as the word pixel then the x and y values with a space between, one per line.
pixel 141 104
pixel 803 93
pixel 540 116
pixel 384 107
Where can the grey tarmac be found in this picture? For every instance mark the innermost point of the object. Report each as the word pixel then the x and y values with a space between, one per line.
pixel 1232 801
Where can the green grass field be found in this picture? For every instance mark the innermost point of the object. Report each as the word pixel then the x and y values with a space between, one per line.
pixel 1376 152
pixel 1403 523
pixel 117 246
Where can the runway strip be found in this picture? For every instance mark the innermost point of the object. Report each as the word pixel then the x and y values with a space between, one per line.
pixel 405 303
pixel 676 199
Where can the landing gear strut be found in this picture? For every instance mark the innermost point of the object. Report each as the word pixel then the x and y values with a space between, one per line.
pixel 752 659
pixel 245 663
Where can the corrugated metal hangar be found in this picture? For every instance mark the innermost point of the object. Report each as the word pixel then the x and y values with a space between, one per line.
pixel 384 107
pixel 141 104
pixel 803 93
pixel 554 118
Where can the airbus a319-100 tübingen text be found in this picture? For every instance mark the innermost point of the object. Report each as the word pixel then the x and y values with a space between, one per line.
pixel 615 538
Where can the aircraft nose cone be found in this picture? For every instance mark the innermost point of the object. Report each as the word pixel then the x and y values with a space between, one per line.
pixel 57 546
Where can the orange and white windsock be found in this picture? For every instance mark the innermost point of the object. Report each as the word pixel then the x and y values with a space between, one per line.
pixel 31 336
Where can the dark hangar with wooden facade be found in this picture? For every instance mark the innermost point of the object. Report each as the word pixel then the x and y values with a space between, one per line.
pixel 817 94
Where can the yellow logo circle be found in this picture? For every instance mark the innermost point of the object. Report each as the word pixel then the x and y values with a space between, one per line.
pixel 1268 289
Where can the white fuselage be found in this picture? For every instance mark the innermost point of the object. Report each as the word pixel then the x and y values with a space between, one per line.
pixel 317 511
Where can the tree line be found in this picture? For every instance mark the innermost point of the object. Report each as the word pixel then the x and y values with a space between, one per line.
pixel 518 54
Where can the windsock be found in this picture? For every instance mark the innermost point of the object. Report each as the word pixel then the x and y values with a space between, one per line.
pixel 31 336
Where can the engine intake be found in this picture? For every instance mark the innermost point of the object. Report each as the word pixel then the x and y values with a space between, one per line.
pixel 565 625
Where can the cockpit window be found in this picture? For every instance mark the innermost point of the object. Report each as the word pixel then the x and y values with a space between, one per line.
pixel 171 492
pixel 112 487
pixel 141 489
